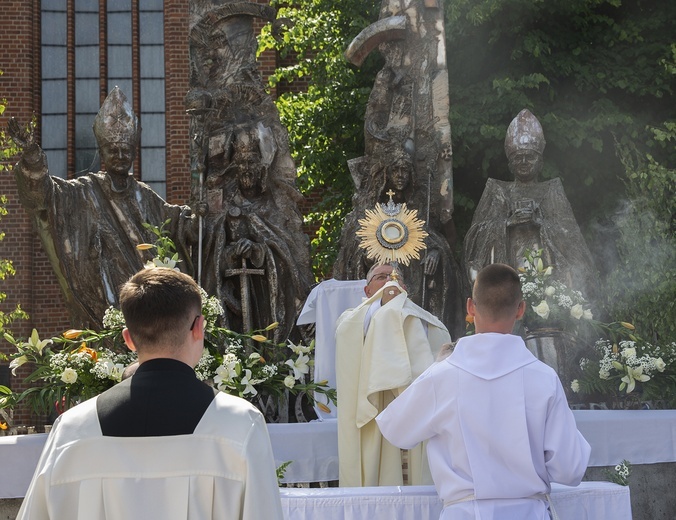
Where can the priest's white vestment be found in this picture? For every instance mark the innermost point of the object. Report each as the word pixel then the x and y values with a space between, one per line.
pixel 372 368
pixel 224 470
pixel 498 429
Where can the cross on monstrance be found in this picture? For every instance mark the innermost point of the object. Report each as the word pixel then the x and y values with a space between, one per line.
pixel 244 272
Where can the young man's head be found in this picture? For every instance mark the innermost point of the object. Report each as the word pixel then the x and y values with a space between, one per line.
pixel 162 310
pixel 497 301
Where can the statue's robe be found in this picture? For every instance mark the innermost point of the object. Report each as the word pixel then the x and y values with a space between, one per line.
pixel 279 248
pixel 402 341
pixel 555 230
pixel 90 232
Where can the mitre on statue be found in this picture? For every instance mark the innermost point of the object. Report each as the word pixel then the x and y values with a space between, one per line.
pixel 524 133
pixel 116 121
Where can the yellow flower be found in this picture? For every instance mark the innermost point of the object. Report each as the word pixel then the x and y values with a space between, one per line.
pixel 272 326
pixel 3 426
pixel 323 407
pixel 91 352
pixel 259 337
pixel 144 247
pixel 627 325
pixel 469 319
pixel 72 333
pixel 323 382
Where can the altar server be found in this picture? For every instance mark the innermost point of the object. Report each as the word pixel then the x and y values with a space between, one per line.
pixel 382 345
pixel 160 444
pixel 498 426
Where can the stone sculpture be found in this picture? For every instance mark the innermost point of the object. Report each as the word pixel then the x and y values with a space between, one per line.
pixel 90 226
pixel 408 152
pixel 255 257
pixel 526 214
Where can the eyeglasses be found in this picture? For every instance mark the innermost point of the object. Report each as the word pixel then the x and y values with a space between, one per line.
pixel 380 277
pixel 194 322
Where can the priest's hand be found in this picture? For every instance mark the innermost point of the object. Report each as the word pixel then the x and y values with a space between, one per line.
pixel 389 293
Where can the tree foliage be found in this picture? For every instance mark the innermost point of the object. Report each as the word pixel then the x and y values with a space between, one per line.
pixel 325 120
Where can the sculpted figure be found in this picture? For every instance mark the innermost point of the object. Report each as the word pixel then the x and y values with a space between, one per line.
pixel 90 226
pixel 255 251
pixel 527 214
pixel 433 281
pixel 256 258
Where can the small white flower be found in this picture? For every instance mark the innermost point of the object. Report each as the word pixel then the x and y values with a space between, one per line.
pixel 576 311
pixel 289 381
pixel 660 365
pixel 575 386
pixel 550 290
pixel 542 310
pixel 69 376
pixel 587 314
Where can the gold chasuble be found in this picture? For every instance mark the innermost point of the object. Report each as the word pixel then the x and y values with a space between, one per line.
pixel 401 341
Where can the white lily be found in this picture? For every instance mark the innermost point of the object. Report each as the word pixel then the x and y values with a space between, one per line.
pixel 16 363
pixel 248 383
pixel 35 344
pixel 633 375
pixel 300 367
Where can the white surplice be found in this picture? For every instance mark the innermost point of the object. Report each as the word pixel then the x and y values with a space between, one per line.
pixel 401 342
pixel 224 470
pixel 498 429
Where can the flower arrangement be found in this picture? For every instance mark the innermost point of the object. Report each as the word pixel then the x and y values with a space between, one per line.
pixel 80 364
pixel 629 366
pixel 75 366
pixel 549 302
pixel 621 474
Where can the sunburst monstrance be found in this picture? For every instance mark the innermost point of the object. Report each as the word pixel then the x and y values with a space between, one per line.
pixel 392 233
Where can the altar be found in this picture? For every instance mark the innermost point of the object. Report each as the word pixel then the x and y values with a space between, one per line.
pixel 641 436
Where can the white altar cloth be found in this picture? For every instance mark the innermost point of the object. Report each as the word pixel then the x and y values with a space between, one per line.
pixel 640 436
pixel 588 501
pixel 323 306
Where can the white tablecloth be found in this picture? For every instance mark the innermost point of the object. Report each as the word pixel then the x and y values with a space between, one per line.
pixel 588 501
pixel 324 305
pixel 640 436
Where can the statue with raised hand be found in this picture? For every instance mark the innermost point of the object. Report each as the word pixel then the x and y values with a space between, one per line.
pixel 90 225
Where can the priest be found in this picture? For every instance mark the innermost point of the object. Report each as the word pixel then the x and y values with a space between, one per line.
pixel 160 444
pixel 382 345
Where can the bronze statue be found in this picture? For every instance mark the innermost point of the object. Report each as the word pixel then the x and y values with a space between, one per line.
pixel 254 255
pixel 526 214
pixel 408 152
pixel 90 226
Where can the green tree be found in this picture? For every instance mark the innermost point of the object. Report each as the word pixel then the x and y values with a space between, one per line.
pixel 641 288
pixel 595 72
pixel 325 120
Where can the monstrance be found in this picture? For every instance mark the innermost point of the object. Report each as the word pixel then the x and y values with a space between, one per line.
pixel 392 233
